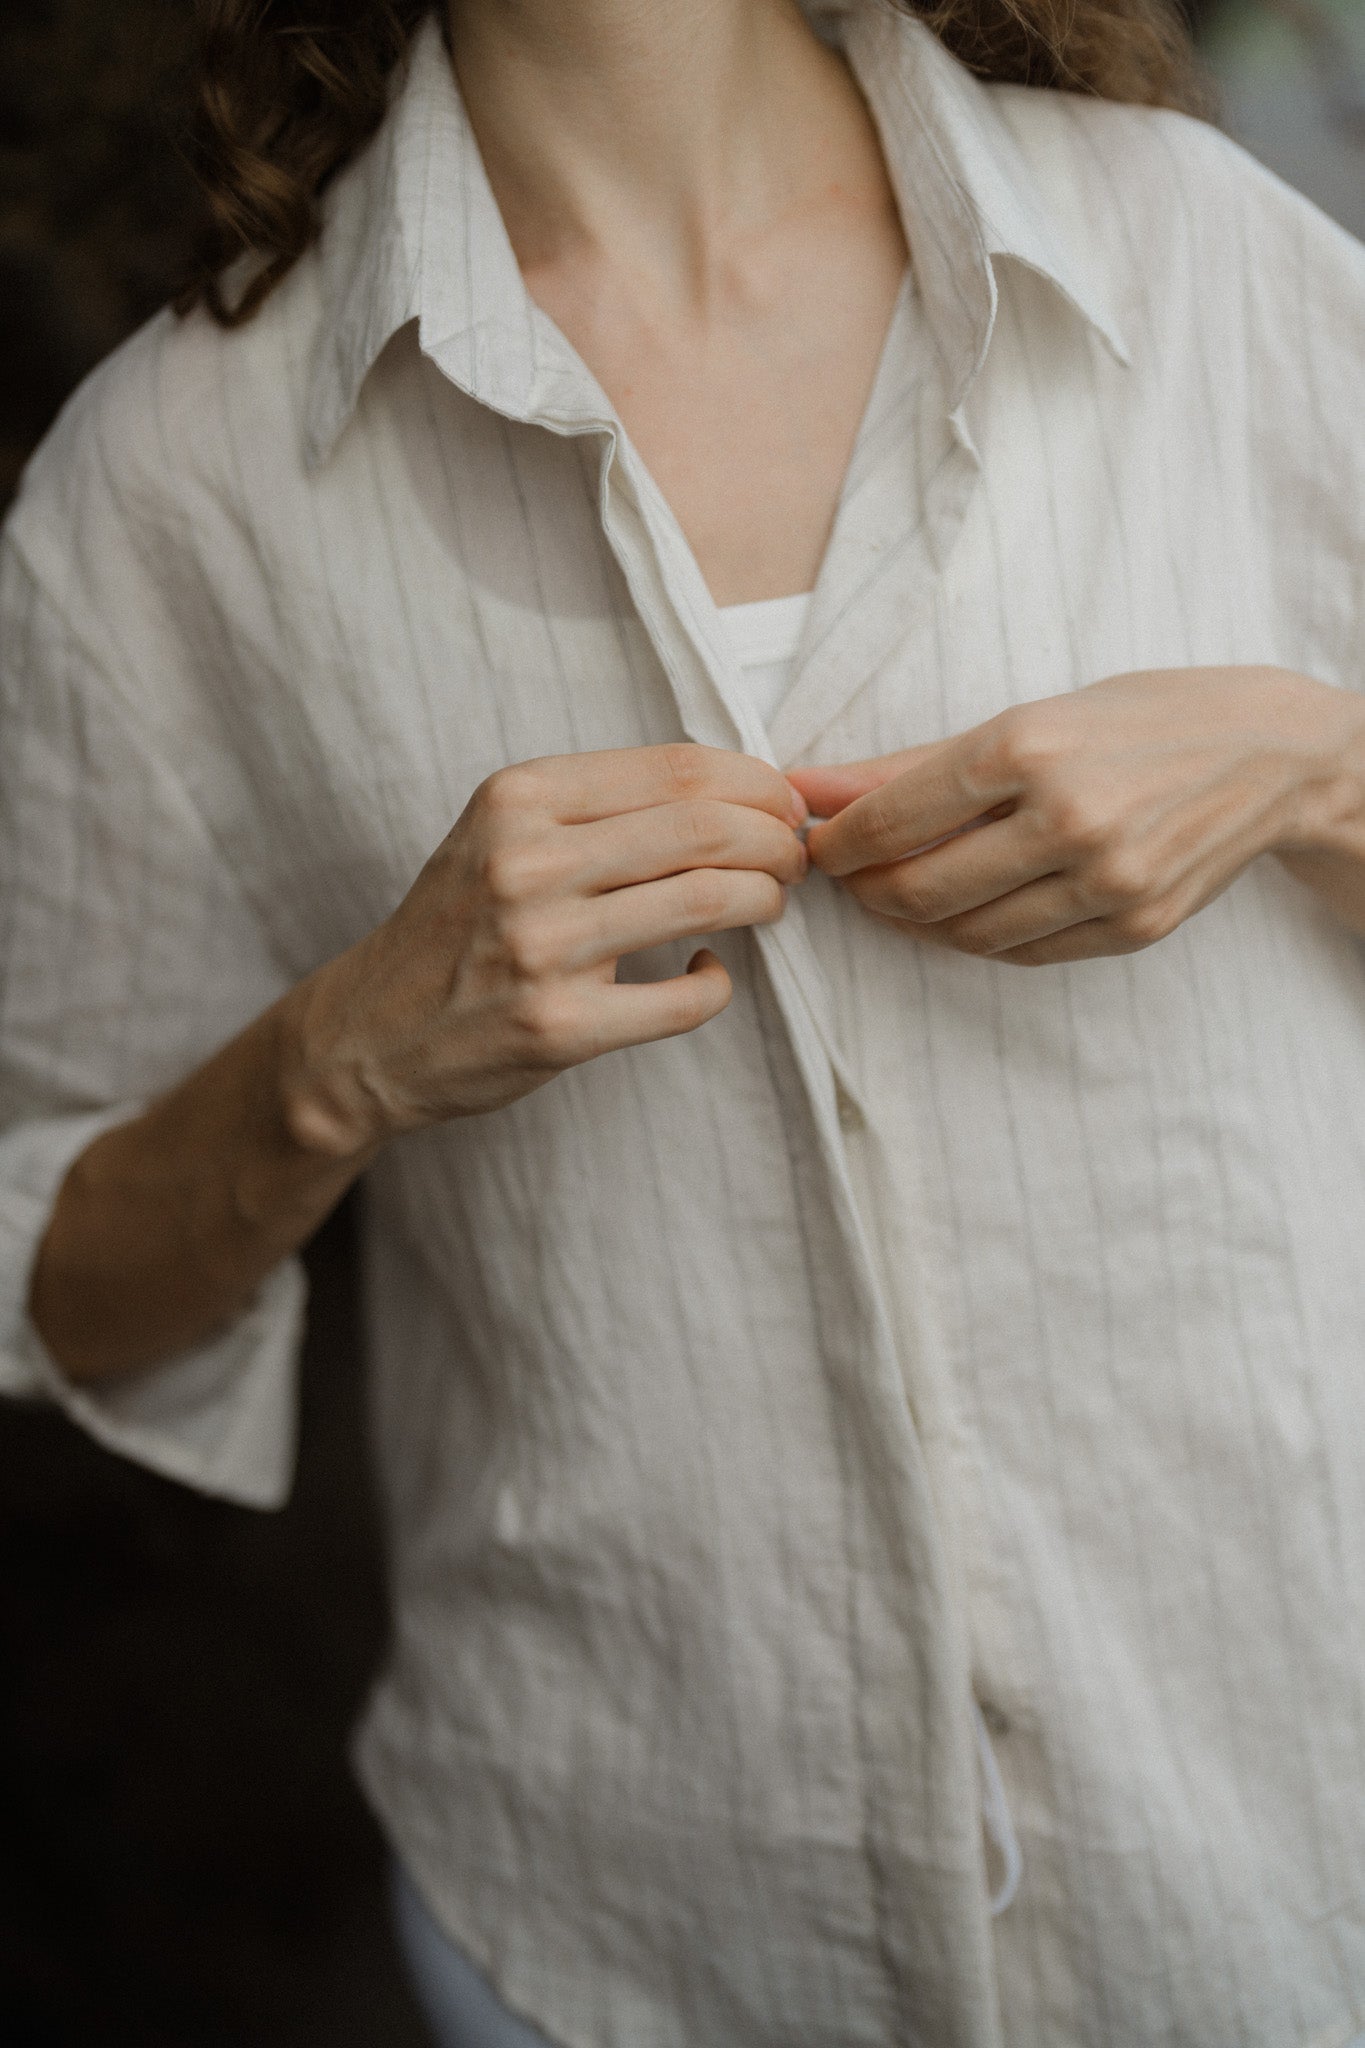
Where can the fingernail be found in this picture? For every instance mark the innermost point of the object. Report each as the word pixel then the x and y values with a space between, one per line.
pixel 800 808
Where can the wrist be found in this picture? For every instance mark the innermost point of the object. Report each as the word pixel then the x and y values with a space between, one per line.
pixel 1327 737
pixel 329 1108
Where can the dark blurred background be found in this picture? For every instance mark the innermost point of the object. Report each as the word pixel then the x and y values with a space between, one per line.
pixel 183 1860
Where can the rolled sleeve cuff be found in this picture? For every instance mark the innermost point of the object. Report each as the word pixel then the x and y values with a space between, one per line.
pixel 223 1417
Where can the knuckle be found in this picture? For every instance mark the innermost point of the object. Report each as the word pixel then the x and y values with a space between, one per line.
pixel 684 766
pixel 513 871
pixel 508 791
pixel 1020 744
pixel 885 828
pixel 976 940
pixel 530 942
pixel 545 1022
pixel 1121 879
pixel 1143 924
pixel 914 899
pixel 1077 823
pixel 706 831
pixel 706 898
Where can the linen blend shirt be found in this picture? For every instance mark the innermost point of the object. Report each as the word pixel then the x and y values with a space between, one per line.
pixel 922 1327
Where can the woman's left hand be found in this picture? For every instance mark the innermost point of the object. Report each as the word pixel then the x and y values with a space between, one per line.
pixel 1097 822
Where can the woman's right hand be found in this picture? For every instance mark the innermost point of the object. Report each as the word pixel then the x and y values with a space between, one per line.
pixel 498 969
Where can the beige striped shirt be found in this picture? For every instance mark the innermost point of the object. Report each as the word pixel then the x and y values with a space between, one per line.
pixel 920 1332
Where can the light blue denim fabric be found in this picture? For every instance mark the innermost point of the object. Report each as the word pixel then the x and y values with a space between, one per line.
pixel 460 2009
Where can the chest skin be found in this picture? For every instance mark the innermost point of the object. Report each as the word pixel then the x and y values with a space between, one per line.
pixel 746 414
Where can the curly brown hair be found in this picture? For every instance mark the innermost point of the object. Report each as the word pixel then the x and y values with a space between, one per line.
pixel 290 90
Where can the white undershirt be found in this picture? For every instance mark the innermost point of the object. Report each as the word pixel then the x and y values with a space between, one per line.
pixel 763 639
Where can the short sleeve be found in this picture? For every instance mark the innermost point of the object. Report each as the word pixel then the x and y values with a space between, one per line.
pixel 1305 347
pixel 127 955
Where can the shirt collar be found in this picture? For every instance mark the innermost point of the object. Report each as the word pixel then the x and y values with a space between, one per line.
pixel 967 194
pixel 413 232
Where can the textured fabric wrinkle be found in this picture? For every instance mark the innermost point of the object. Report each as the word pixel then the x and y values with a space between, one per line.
pixel 436 1437
pixel 346 817
pixel 894 1205
pixel 419 668
pixel 799 1583
pixel 1261 1512
pixel 172 416
pixel 1326 586
pixel 722 1561
pixel 998 1593
pixel 538 580
pixel 1150 1827
pixel 53 541
pixel 123 730
pixel 21 613
pixel 1223 389
pixel 884 1450
pixel 583 1380
pixel 176 727
pixel 1331 1436
pixel 1082 1898
pixel 779 1055
pixel 1299 1491
pixel 69 729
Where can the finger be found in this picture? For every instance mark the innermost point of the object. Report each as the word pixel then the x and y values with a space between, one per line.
pixel 1055 919
pixel 933 798
pixel 577 788
pixel 1094 938
pixel 1024 916
pixel 1125 931
pixel 972 868
pixel 639 1012
pixel 679 907
pixel 829 790
pixel 642 846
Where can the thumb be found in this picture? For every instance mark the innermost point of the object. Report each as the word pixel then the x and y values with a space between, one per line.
pixel 829 790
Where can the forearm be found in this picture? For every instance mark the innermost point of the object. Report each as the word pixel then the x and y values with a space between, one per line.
pixel 166 1225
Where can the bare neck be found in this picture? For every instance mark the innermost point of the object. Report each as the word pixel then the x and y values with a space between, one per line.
pixel 661 136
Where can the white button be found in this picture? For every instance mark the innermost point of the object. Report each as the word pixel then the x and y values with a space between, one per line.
pixel 851 1117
